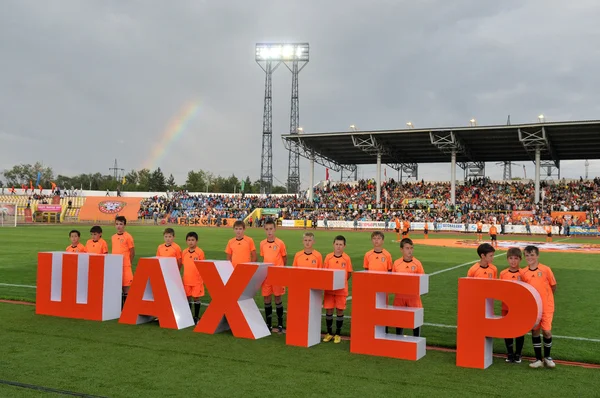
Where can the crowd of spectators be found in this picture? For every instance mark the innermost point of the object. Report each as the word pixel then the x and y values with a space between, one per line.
pixel 417 201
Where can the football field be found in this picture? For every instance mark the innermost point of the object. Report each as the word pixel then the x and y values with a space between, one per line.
pixel 108 359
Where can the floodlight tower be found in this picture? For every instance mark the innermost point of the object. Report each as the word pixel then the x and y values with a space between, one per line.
pixel 267 56
pixel 295 58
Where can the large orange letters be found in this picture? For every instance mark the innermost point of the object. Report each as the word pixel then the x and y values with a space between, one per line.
pixel 157 291
pixel 370 314
pixel 79 285
pixel 305 300
pixel 232 292
pixel 477 324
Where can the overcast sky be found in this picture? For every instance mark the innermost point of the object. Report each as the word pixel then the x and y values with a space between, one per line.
pixel 85 82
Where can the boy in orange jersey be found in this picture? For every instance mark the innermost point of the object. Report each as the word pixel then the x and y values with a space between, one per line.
pixel 405 228
pixel 336 298
pixel 96 245
pixel 241 248
pixel 378 259
pixel 513 273
pixel 408 264
pixel 548 229
pixel 192 282
pixel 542 279
pixel 479 231
pixel 309 257
pixel 170 248
pixel 122 243
pixel 494 235
pixel 272 250
pixel 398 226
pixel 484 268
pixel 75 246
pixel 426 229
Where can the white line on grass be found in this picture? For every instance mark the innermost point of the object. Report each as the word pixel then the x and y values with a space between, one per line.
pixel 11 285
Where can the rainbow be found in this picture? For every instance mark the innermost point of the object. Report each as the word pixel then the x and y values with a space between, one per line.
pixel 175 129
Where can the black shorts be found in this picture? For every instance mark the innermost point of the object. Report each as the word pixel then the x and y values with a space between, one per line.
pixel 397 230
pixel 550 235
pixel 426 231
pixel 404 233
pixel 493 237
pixel 479 231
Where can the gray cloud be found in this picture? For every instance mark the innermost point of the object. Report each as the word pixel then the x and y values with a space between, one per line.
pixel 77 78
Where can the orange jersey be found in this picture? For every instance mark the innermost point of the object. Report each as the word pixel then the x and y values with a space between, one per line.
pixel 542 279
pixel 479 225
pixel 342 262
pixel 191 276
pixel 122 244
pixel 493 230
pixel 312 260
pixel 173 250
pixel 411 267
pixel 406 226
pixel 509 275
pixel 426 226
pixel 477 271
pixel 397 221
pixel 548 229
pixel 240 250
pixel 273 252
pixel 76 249
pixel 378 261
pixel 96 247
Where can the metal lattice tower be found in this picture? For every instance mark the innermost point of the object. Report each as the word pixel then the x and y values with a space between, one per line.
pixel 115 169
pixel 295 66
pixel 266 159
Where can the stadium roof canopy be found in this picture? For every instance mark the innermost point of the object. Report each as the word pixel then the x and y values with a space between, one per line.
pixel 398 148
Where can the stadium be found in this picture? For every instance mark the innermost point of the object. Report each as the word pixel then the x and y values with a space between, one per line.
pixel 75 323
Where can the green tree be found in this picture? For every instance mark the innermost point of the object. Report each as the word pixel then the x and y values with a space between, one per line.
pixel 131 180
pixel 24 173
pixel 279 189
pixel 144 180
pixel 157 182
pixel 171 184
pixel 196 181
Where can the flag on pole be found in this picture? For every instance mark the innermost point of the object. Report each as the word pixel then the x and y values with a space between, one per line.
pixel 31 185
pixel 243 184
pixel 385 173
pixel 327 174
pixel 123 181
pixel 39 177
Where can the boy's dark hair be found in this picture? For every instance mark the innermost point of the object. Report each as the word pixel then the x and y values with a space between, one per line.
pixel 406 241
pixel 74 231
pixel 377 233
pixel 340 237
pixel 239 223
pixel 170 231
pixel 122 219
pixel 484 249
pixel 532 249
pixel 270 221
pixel 514 251
pixel 191 235
pixel 96 229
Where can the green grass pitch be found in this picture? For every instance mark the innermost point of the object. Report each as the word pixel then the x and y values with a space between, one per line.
pixel 108 359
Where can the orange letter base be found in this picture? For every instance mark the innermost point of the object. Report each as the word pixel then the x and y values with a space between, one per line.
pixel 477 324
pixel 157 291
pixel 79 285
pixel 371 314
pixel 305 300
pixel 232 291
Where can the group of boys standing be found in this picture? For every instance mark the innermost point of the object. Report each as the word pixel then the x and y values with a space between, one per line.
pixel 541 278
pixel 241 249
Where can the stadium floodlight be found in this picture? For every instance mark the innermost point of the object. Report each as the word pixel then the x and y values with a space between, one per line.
pixel 282 52
pixel 541 118
pixel 410 125
pixel 473 122
pixel 300 130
